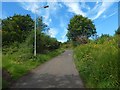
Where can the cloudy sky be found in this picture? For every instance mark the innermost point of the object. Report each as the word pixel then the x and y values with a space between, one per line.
pixel 57 16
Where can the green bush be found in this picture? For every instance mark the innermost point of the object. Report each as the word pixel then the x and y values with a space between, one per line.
pixel 98 63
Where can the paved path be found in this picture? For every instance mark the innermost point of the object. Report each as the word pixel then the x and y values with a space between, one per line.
pixel 60 72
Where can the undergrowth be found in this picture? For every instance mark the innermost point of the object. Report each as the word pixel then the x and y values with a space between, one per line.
pixel 97 63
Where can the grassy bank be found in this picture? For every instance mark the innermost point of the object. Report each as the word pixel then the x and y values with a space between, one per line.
pixel 18 65
pixel 18 59
pixel 97 63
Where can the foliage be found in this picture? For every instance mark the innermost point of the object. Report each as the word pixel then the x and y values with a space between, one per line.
pixel 98 63
pixel 67 45
pixel 19 60
pixel 18 45
pixel 41 27
pixel 44 43
pixel 16 28
pixel 80 28
pixel 103 38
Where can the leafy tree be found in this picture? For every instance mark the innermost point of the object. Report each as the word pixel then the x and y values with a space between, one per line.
pixel 80 28
pixel 104 35
pixel 103 38
pixel 42 27
pixel 16 28
pixel 44 42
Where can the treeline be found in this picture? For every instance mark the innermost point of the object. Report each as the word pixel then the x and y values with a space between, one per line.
pixel 17 28
pixel 81 29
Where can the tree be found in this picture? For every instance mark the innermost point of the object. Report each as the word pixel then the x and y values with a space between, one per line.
pixel 20 28
pixel 80 28
pixel 44 42
pixel 42 27
pixel 16 28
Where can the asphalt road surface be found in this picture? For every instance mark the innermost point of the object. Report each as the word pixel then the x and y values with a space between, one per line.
pixel 60 72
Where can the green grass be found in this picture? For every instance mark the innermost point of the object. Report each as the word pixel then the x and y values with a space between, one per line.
pixel 98 63
pixel 19 65
pixel 18 59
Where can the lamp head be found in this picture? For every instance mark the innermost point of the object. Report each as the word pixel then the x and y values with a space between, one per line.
pixel 46 6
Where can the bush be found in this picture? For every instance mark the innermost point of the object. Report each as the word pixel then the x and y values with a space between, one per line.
pixel 98 64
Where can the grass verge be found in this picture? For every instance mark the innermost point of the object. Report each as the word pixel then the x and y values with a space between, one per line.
pixel 18 66
pixel 98 64
pixel 18 60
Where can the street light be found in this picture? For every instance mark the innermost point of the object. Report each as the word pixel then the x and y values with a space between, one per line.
pixel 35 29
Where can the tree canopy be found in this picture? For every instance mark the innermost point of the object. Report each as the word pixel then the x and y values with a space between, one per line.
pixel 42 27
pixel 16 28
pixel 79 27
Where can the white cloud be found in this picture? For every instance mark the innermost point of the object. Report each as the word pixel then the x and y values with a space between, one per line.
pixel 51 11
pixel 30 6
pixel 105 16
pixel 26 0
pixel 74 7
pixel 84 5
pixel 99 9
pixel 112 14
pixel 57 0
pixel 92 13
pixel 60 5
pixel 52 32
pixel 63 36
pixel 64 33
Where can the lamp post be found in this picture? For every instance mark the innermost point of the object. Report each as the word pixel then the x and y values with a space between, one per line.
pixel 35 29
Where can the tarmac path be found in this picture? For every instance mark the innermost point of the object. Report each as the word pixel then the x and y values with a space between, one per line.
pixel 59 72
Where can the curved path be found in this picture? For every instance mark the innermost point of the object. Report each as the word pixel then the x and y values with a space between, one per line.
pixel 60 72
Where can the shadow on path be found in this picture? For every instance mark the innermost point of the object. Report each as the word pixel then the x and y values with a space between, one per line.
pixel 49 81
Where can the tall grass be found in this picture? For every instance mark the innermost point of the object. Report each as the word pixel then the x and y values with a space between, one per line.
pixel 98 63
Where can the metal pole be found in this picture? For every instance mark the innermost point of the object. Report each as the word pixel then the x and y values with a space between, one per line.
pixel 35 30
pixel 35 37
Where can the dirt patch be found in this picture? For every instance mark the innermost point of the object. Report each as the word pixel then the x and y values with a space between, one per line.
pixel 6 78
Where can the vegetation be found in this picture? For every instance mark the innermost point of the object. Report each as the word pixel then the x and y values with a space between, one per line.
pixel 97 59
pixel 97 62
pixel 18 60
pixel 18 44
pixel 45 43
pixel 16 29
pixel 80 29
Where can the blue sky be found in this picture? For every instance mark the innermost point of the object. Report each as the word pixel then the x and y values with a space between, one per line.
pixel 58 15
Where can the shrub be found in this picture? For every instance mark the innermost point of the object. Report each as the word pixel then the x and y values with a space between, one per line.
pixel 98 64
